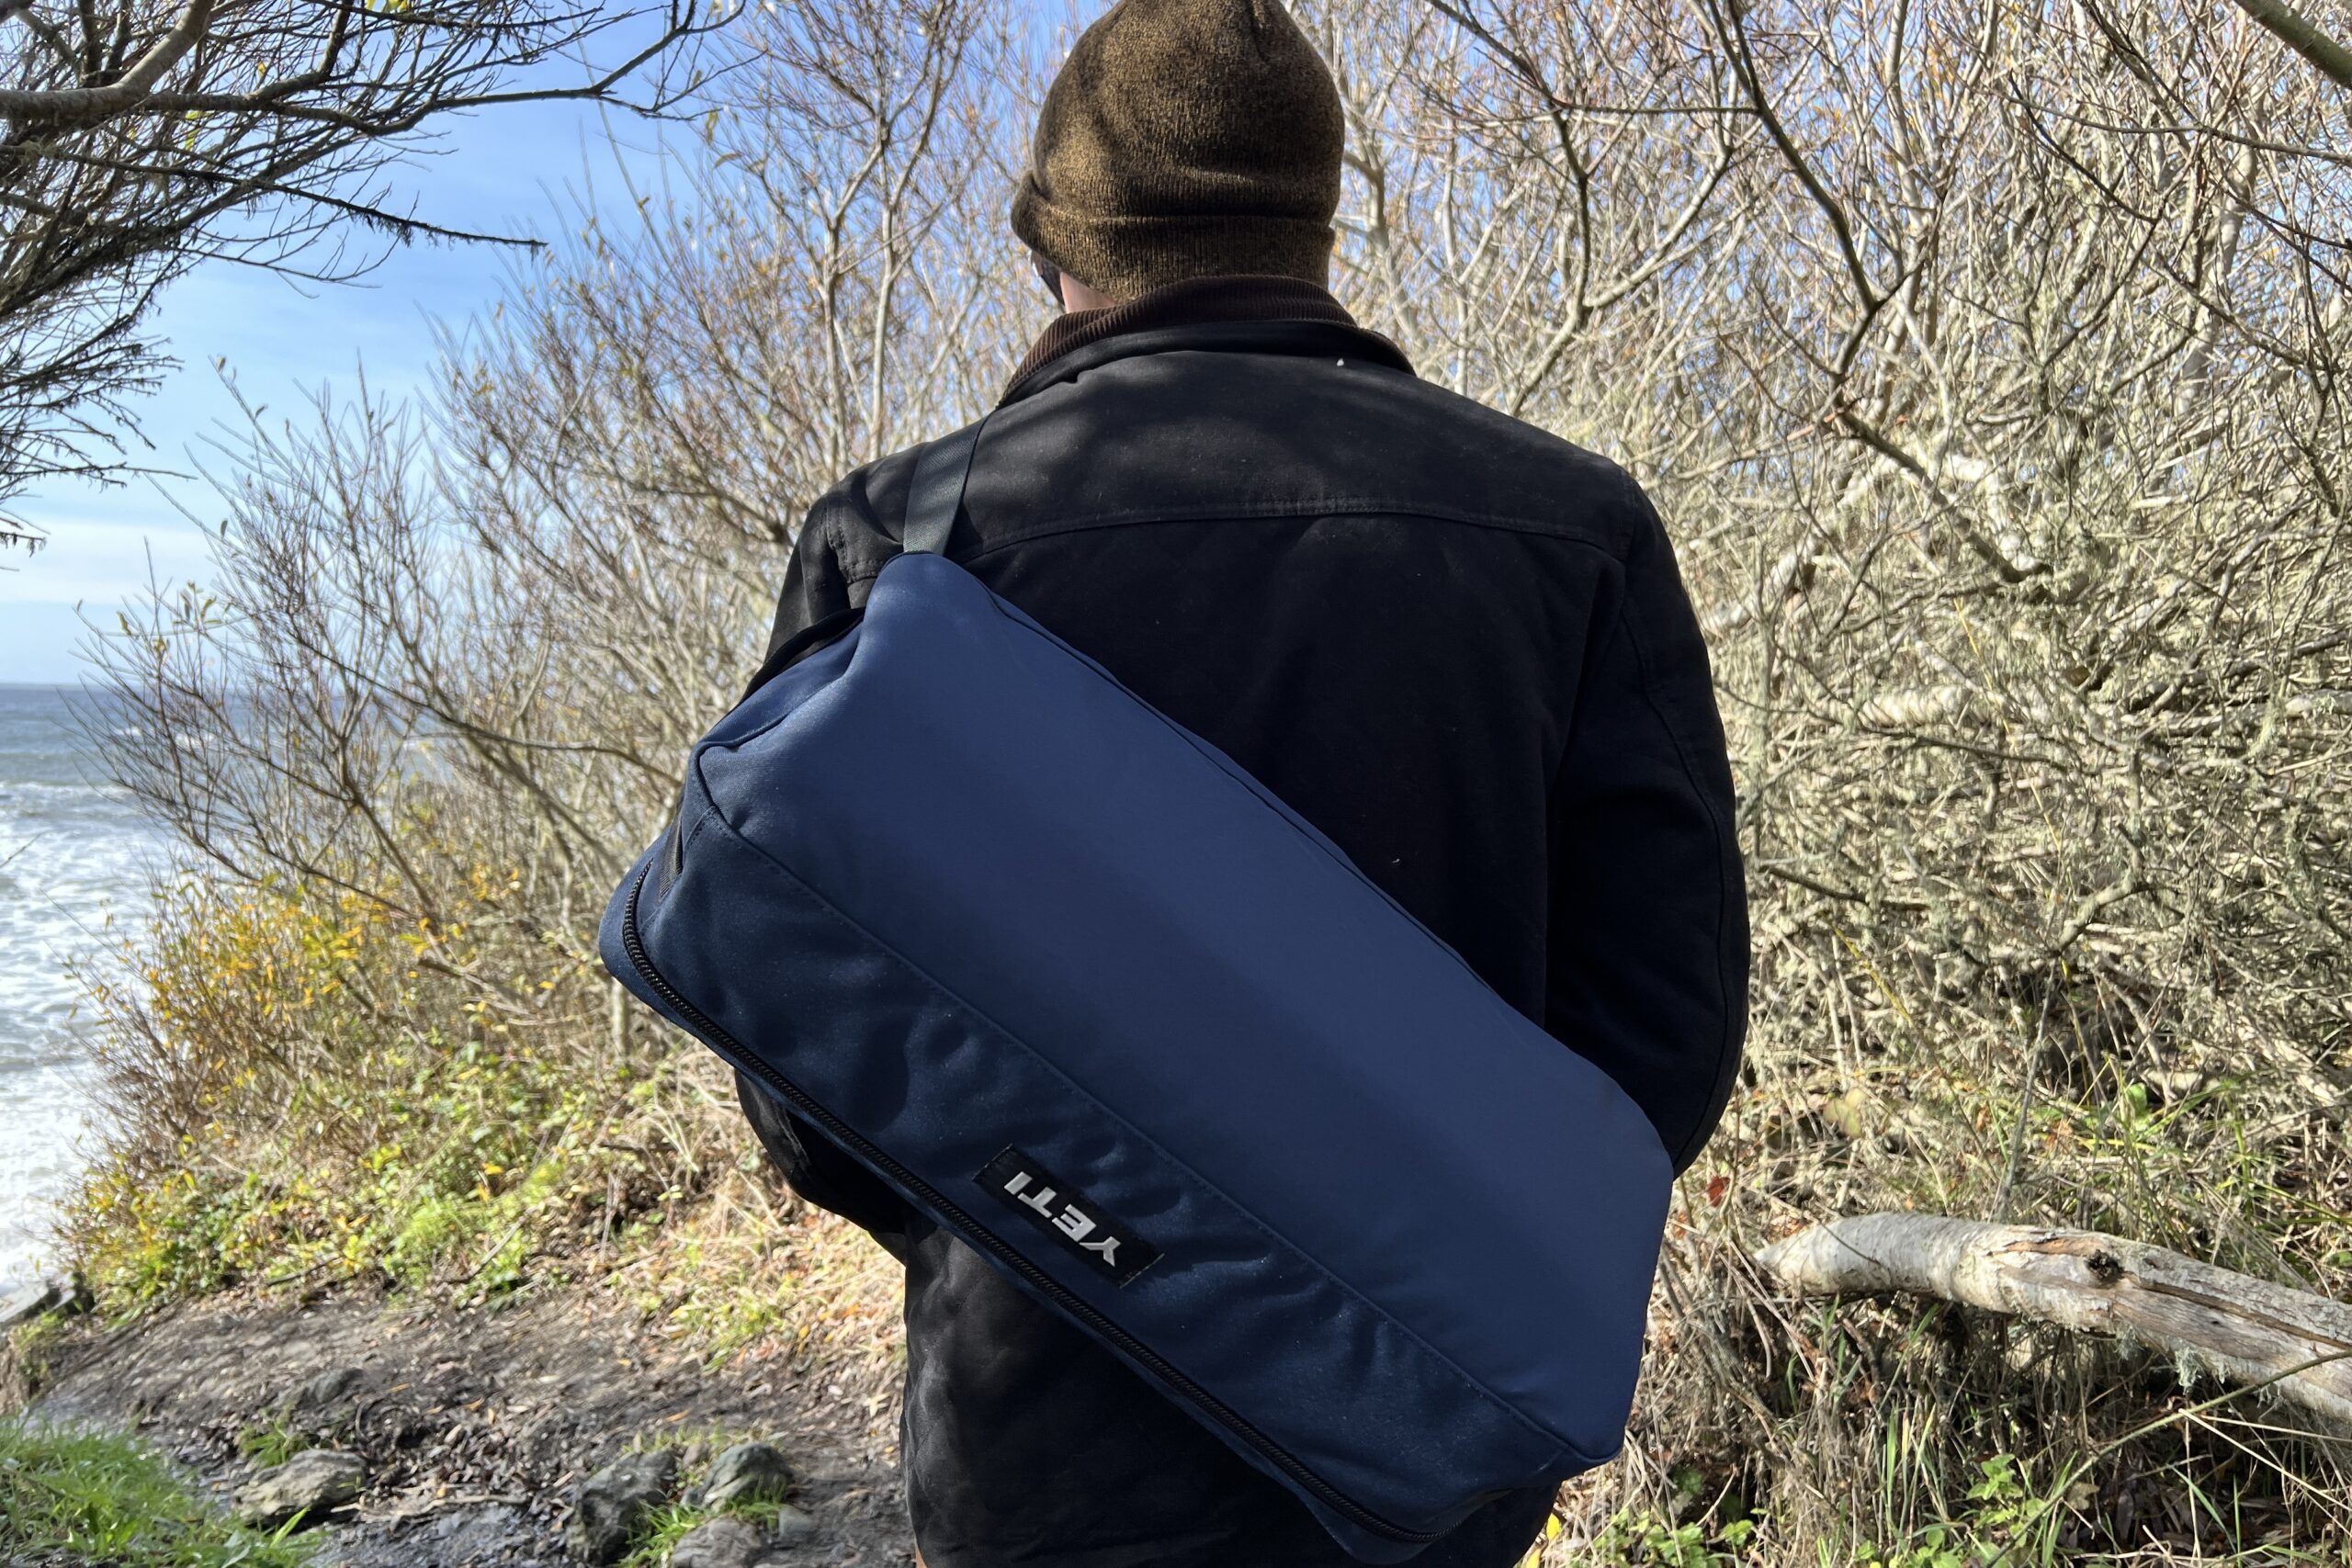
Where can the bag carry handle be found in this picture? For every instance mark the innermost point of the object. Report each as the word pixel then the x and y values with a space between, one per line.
pixel 936 491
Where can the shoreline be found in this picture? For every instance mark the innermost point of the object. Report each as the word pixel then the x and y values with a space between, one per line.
pixel 76 858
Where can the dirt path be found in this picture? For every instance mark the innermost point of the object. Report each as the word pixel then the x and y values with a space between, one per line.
pixel 475 1425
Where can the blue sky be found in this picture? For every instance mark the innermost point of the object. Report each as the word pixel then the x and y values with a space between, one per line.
pixel 504 171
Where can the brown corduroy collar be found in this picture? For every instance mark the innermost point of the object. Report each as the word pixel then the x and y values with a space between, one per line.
pixel 1189 303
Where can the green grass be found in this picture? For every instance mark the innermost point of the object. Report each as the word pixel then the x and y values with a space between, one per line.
pixel 70 1498
pixel 272 1441
pixel 658 1534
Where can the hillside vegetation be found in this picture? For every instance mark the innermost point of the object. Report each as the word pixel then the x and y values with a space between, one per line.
pixel 1987 363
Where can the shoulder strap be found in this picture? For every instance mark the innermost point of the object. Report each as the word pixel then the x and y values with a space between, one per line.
pixel 936 491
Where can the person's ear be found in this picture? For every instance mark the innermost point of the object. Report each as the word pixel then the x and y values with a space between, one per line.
pixel 1080 295
pixel 1051 276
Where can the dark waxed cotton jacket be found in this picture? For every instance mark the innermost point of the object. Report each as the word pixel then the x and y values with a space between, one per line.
pixel 1455 644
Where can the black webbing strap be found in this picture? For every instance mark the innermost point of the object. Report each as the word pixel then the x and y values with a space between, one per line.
pixel 936 491
pixel 934 495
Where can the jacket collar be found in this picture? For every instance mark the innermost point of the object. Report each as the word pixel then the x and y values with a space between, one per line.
pixel 1241 315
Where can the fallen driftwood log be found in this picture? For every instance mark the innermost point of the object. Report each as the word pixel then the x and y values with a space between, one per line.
pixel 2229 1325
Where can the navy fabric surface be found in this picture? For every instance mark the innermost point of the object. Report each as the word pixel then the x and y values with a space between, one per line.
pixel 967 894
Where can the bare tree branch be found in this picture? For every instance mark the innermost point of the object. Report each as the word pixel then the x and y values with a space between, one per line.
pixel 2304 36
pixel 2227 1325
pixel 145 139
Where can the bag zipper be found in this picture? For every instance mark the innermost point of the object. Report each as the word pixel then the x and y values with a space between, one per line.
pixel 980 1237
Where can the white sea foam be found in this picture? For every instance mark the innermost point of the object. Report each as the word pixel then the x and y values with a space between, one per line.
pixel 74 860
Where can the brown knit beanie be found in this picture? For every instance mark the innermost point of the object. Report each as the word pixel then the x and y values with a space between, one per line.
pixel 1185 138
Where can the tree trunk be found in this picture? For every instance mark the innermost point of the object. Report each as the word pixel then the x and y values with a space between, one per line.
pixel 2237 1329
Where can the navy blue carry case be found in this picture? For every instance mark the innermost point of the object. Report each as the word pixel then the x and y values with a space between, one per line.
pixel 1087 995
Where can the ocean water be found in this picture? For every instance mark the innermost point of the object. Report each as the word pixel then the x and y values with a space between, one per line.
pixel 73 859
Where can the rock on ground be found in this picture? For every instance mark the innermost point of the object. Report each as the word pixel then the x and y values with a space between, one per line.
pixel 310 1483
pixel 718 1543
pixel 329 1388
pixel 610 1503
pixel 463 1538
pixel 794 1528
pixel 756 1471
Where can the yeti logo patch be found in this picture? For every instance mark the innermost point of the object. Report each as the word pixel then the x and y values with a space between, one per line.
pixel 1022 1182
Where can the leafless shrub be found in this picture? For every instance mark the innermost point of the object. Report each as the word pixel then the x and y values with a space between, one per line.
pixel 445 680
pixel 1987 364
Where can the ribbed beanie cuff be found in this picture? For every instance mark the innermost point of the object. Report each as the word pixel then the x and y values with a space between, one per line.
pixel 1129 256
